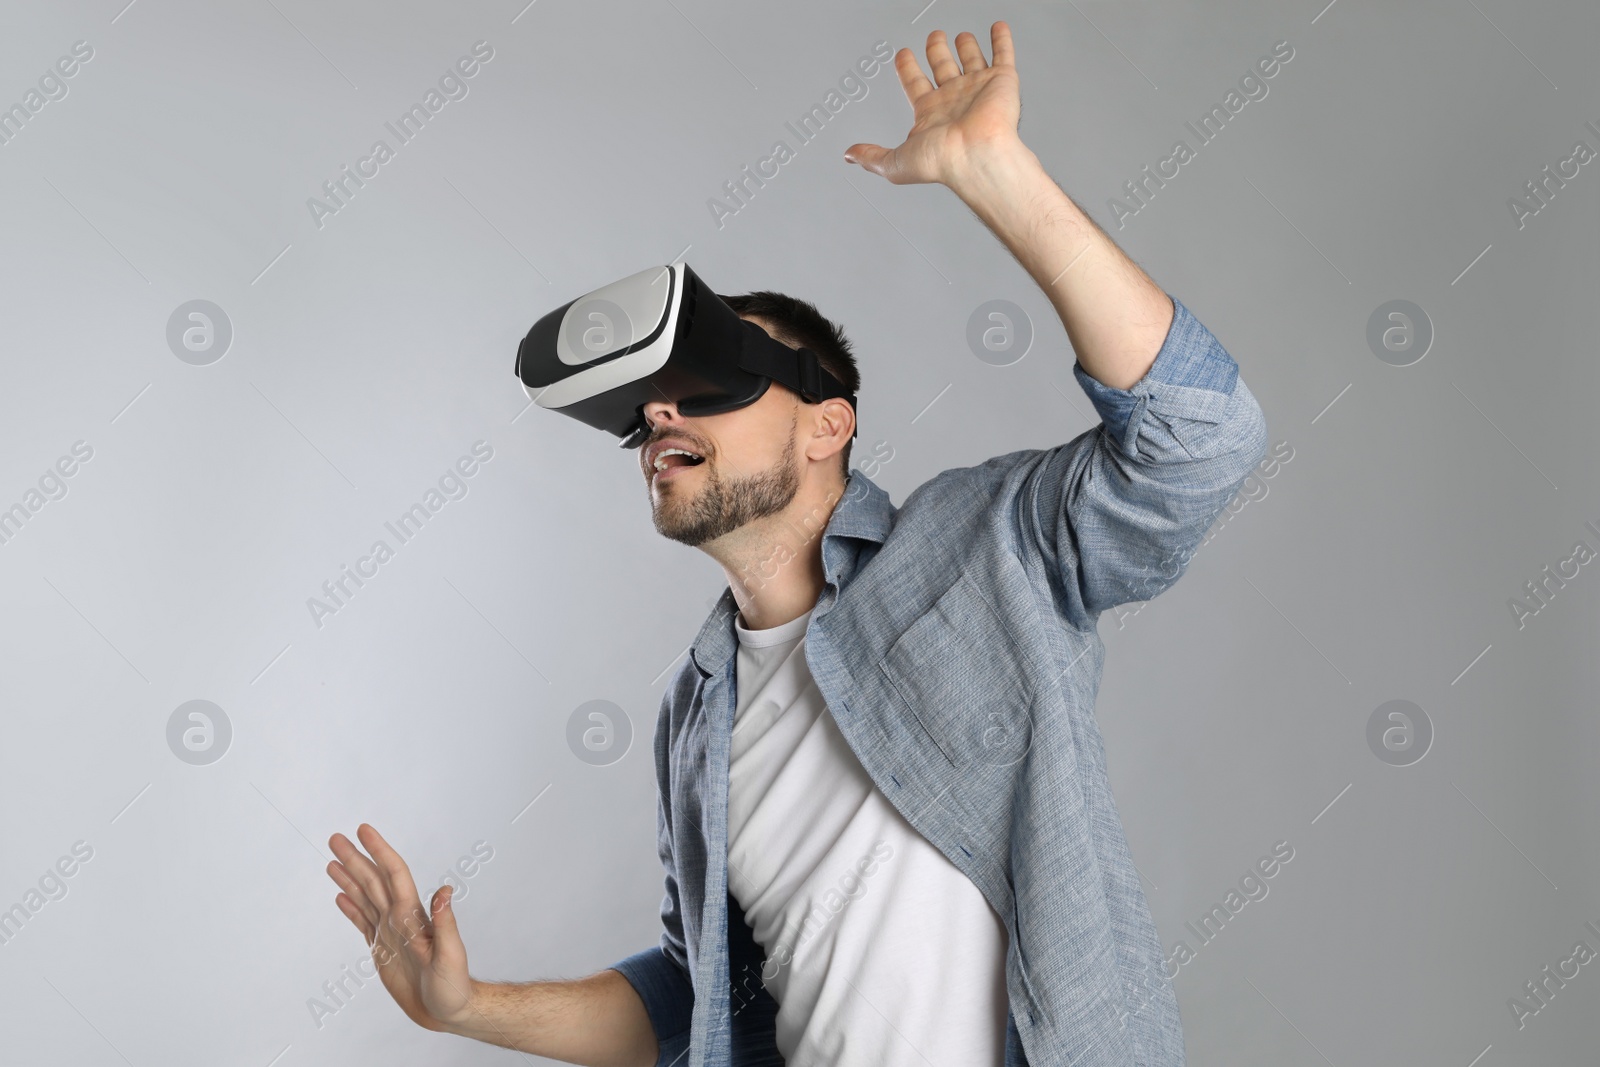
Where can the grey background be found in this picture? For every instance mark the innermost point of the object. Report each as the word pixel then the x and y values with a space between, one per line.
pixel 369 354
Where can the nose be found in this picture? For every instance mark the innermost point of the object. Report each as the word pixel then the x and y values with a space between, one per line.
pixel 658 413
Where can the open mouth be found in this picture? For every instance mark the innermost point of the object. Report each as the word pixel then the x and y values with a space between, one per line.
pixel 669 461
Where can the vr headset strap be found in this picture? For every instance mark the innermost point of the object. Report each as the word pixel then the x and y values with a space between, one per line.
pixel 797 368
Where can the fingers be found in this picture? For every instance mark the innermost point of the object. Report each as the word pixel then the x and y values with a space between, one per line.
pixel 403 921
pixel 380 899
pixel 362 879
pixel 381 891
pixel 871 157
pixel 912 80
pixel 354 914
pixel 943 64
pixel 450 954
pixel 354 893
pixel 396 876
pixel 1000 45
pixel 940 61
pixel 971 54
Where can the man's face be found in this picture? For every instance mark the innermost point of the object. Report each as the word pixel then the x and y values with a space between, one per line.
pixel 750 468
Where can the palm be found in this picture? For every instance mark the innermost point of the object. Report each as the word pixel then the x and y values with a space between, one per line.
pixel 419 955
pixel 416 974
pixel 975 108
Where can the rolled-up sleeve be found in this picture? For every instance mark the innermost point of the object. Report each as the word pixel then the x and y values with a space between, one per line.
pixel 668 998
pixel 1118 511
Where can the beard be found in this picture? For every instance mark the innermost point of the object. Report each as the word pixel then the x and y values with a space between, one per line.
pixel 724 504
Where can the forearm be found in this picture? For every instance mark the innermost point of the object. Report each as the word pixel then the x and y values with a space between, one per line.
pixel 598 1021
pixel 1116 317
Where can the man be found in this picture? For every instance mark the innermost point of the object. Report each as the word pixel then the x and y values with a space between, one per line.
pixel 884 812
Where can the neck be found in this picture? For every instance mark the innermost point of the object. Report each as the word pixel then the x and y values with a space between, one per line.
pixel 774 564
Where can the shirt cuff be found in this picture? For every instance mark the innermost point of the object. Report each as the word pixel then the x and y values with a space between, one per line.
pixel 1192 378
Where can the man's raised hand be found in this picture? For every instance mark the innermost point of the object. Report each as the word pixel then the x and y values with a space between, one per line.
pixel 421 960
pixel 972 114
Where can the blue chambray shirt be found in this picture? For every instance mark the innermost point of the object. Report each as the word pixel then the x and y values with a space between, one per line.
pixel 955 644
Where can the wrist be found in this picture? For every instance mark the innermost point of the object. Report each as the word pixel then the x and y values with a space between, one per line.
pixel 993 170
pixel 467 1020
pixel 1012 194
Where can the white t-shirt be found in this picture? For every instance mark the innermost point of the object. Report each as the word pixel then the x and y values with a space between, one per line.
pixel 879 950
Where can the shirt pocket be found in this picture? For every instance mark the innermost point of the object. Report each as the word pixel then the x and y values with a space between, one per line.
pixel 962 678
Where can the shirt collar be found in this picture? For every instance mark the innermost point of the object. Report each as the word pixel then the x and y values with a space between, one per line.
pixel 864 513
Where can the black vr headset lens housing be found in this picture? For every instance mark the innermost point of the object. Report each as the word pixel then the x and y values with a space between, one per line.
pixel 661 334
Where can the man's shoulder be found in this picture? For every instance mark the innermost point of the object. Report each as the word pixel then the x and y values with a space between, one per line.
pixel 961 520
pixel 957 499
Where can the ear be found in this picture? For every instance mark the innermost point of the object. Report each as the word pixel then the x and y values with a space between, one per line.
pixel 834 422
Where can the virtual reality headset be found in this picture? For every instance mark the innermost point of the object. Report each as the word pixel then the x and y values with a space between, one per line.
pixel 661 334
